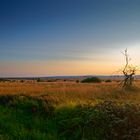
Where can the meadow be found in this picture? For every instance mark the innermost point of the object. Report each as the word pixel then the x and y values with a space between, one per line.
pixel 69 110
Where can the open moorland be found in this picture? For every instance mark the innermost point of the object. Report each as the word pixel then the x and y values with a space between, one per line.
pixel 31 110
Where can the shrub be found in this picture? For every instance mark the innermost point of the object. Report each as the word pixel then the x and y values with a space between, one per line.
pixel 39 80
pixel 105 121
pixel 77 81
pixel 91 80
pixel 21 81
pixel 107 81
pixel 31 118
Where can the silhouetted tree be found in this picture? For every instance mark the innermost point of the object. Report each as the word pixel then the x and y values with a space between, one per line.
pixel 128 71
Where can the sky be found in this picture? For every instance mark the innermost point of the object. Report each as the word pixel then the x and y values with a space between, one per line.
pixel 67 37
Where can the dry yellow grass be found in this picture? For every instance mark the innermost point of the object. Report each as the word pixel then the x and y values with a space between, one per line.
pixel 72 93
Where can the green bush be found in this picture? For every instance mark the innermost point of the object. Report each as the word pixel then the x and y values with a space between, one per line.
pixel 39 80
pixel 92 80
pixel 30 118
pixel 105 121
pixel 22 81
pixel 107 81
pixel 77 81
pixel 26 118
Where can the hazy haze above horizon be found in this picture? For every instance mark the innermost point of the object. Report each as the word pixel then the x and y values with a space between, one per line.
pixel 67 37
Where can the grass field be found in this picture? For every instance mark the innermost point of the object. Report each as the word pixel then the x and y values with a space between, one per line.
pixel 69 111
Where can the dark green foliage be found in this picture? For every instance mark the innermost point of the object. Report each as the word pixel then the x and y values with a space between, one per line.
pixel 77 81
pixel 30 118
pixel 91 80
pixel 39 80
pixel 25 118
pixel 52 80
pixel 107 81
pixel 4 80
pixel 22 81
pixel 106 121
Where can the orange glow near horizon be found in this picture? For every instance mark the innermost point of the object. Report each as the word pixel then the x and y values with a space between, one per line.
pixel 58 68
pixel 106 64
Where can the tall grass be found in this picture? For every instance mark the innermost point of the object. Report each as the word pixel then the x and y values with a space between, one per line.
pixel 71 92
pixel 68 111
pixel 32 118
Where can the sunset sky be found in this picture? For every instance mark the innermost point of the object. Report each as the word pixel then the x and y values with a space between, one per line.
pixel 67 37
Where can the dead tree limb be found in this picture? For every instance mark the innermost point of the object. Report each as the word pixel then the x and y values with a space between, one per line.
pixel 128 71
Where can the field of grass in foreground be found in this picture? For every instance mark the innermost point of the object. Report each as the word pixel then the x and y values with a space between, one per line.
pixel 94 112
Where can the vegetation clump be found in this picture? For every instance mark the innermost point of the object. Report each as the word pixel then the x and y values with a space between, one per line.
pixel 92 80
pixel 25 117
pixel 108 81
pixel 39 80
pixel 22 81
pixel 77 81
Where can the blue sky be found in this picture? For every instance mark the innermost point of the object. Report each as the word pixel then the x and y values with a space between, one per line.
pixel 50 37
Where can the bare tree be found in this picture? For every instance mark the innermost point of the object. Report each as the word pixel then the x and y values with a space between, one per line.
pixel 128 71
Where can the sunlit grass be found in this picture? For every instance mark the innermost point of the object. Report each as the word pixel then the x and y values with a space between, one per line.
pixel 64 93
pixel 68 111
